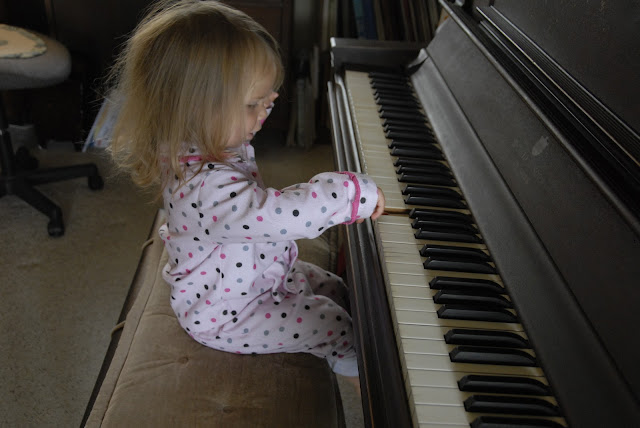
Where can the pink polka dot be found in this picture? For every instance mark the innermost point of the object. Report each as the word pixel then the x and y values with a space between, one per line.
pixel 302 280
pixel 234 178
pixel 345 343
pixel 181 195
pixel 168 238
pixel 183 291
pixel 346 184
pixel 190 255
pixel 277 193
pixel 254 267
pixel 267 315
pixel 299 320
pixel 254 174
pixel 248 238
pixel 202 185
pixel 340 356
pixel 208 302
pixel 215 218
pixel 203 273
pixel 314 195
pixel 186 314
pixel 226 290
pixel 329 333
pixel 213 320
pixel 223 256
pixel 185 227
pixel 259 218
pixel 275 259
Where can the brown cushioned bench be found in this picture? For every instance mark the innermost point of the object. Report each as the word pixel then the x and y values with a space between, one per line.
pixel 155 375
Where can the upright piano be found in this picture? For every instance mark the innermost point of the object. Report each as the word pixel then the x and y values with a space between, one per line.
pixel 502 287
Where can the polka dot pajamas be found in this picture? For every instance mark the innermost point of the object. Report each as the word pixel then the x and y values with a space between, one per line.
pixel 236 282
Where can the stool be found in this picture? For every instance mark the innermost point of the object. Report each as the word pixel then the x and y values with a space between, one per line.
pixel 40 63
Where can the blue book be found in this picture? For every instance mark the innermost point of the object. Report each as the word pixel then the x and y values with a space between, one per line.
pixel 369 20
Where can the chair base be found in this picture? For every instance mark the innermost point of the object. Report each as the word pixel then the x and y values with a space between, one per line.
pixel 21 185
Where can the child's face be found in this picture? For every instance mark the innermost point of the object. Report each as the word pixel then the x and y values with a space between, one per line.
pixel 259 98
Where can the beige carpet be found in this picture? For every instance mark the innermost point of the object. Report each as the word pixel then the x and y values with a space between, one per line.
pixel 62 296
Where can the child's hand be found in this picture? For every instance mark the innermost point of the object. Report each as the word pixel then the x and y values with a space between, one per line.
pixel 379 210
pixel 379 206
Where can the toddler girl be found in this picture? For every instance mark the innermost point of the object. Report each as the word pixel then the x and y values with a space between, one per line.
pixel 197 80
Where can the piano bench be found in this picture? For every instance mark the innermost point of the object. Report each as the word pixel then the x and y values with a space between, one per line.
pixel 154 374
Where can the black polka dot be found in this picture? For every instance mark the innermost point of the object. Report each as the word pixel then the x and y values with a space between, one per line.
pixel 296 213
pixel 295 336
pixel 194 205
pixel 334 195
pixel 239 265
pixel 245 227
pixel 233 194
pixel 363 200
pixel 283 315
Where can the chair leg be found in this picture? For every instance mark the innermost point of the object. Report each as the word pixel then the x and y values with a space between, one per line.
pixel 33 197
pixel 51 175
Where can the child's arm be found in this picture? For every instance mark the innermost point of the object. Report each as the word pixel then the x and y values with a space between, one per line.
pixel 230 207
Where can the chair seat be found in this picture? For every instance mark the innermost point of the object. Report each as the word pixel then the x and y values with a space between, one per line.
pixel 47 69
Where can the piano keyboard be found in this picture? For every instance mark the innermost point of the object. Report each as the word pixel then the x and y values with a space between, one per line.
pixel 466 358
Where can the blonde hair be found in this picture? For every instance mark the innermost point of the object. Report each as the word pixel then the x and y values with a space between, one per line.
pixel 182 78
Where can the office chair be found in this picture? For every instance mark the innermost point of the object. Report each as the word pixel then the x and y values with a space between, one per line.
pixel 41 63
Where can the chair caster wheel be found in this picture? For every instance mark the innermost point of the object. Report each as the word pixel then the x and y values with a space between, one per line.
pixel 95 182
pixel 55 229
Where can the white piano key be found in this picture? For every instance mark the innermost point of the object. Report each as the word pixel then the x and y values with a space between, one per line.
pixel 431 318
pixel 449 379
pixel 443 363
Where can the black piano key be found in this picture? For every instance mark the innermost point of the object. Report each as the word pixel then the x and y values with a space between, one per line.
pixel 432 191
pixel 415 162
pixel 503 384
pixel 396 101
pixel 434 167
pixel 511 405
pixel 411 136
pixel 381 95
pixel 423 153
pixel 471 299
pixel 407 128
pixel 402 123
pixel 451 216
pixel 386 114
pixel 495 356
pixel 474 337
pixel 458 266
pixel 439 235
pixel 453 252
pixel 434 179
pixel 402 87
pixel 388 75
pixel 399 109
pixel 500 422
pixel 471 284
pixel 415 144
pixel 472 313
